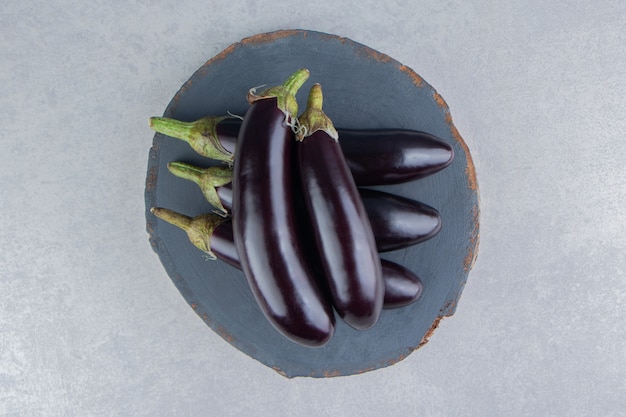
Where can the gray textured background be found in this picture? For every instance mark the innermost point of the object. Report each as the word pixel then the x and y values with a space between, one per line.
pixel 90 324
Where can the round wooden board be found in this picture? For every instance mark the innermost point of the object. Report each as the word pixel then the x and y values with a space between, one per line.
pixel 363 88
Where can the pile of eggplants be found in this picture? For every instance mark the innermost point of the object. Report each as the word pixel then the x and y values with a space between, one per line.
pixel 291 212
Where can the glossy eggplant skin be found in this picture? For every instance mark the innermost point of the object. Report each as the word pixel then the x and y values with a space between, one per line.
pixel 223 244
pixel 377 156
pixel 265 229
pixel 382 157
pixel 225 193
pixel 402 287
pixel 227 132
pixel 341 231
pixel 397 222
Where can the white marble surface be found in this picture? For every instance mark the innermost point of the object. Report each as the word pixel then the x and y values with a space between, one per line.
pixel 90 324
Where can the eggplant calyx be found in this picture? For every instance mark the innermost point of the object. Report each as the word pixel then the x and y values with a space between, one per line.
pixel 207 179
pixel 313 118
pixel 200 134
pixel 285 94
pixel 199 229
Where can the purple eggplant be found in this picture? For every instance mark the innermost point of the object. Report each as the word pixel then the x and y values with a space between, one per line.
pixel 339 222
pixel 397 222
pixel 393 156
pixel 402 287
pixel 213 234
pixel 375 156
pixel 265 223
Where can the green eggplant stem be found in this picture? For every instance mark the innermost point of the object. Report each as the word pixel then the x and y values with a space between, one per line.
pixel 171 127
pixel 313 118
pixel 207 179
pixel 200 134
pixel 199 229
pixel 186 171
pixel 285 93
pixel 172 217
pixel 293 83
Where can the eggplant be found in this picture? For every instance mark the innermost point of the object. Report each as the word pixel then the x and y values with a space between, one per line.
pixel 393 156
pixel 265 223
pixel 213 234
pixel 339 223
pixel 375 156
pixel 402 287
pixel 397 222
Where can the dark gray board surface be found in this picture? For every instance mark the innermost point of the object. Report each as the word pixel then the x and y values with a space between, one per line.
pixel 363 88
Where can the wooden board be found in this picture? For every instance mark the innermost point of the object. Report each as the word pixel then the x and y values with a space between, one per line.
pixel 363 88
